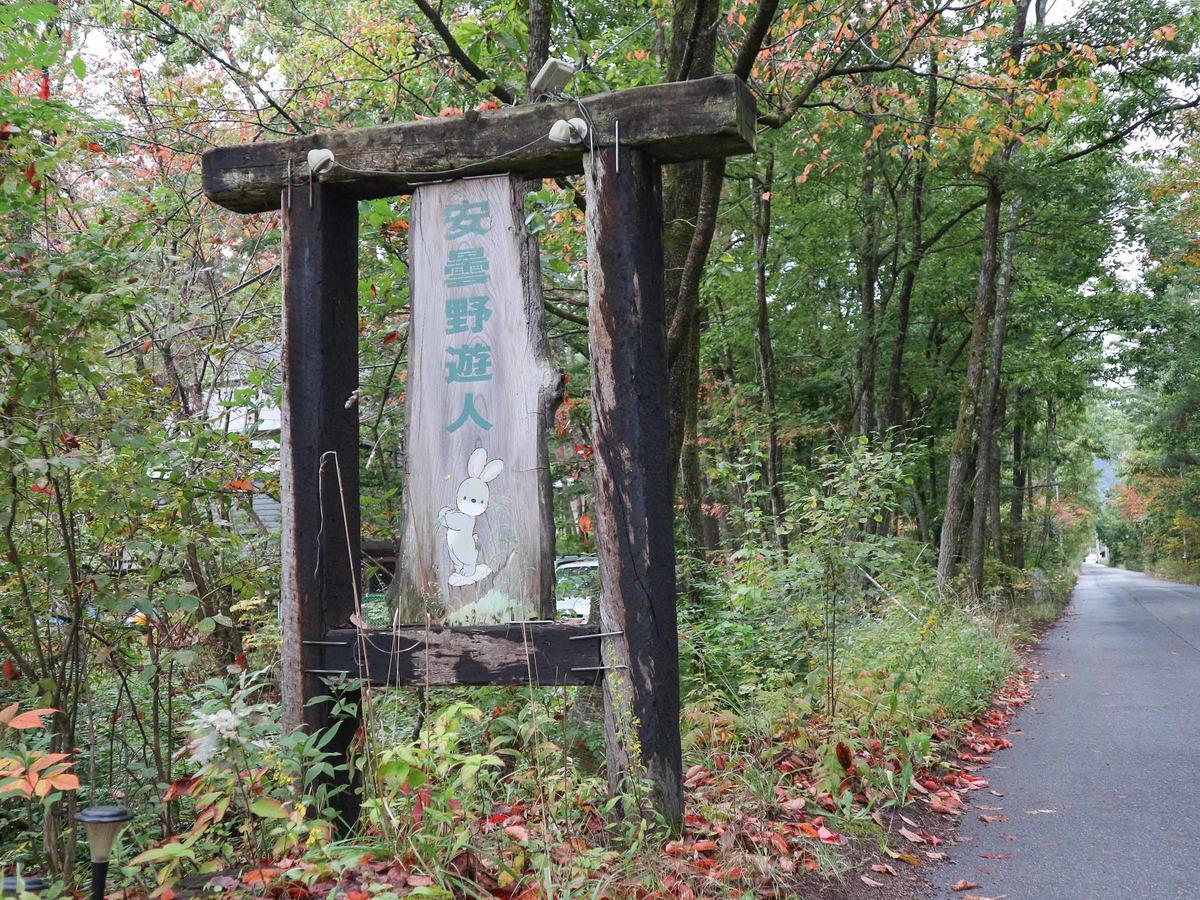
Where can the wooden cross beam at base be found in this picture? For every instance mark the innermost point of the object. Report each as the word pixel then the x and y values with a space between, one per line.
pixel 542 653
pixel 671 122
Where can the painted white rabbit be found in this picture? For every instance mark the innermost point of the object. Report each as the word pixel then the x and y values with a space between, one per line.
pixel 471 502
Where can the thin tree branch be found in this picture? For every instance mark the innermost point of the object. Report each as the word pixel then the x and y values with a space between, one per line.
pixel 461 56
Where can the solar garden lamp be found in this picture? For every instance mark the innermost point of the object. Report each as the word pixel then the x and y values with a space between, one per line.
pixel 103 824
pixel 15 885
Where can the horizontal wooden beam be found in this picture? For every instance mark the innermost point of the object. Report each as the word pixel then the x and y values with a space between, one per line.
pixel 672 122
pixel 517 653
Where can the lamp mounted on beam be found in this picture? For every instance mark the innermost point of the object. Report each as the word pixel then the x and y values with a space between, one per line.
pixel 569 131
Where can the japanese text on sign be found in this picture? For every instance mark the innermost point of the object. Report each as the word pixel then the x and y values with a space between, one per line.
pixel 470 360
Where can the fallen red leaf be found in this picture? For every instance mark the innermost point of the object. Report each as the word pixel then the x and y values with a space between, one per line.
pixel 828 837
pixel 963 885
pixel 258 877
pixel 518 833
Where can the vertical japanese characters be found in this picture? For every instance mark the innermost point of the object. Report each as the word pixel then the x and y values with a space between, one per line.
pixel 467 310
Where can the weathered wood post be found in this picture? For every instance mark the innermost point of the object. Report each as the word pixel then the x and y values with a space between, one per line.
pixel 635 534
pixel 318 466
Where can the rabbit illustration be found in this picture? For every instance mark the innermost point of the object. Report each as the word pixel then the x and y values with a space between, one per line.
pixel 471 503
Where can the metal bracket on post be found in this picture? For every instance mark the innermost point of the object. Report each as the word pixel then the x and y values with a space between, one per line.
pixel 598 634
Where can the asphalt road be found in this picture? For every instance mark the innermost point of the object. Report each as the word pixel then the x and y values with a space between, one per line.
pixel 1102 784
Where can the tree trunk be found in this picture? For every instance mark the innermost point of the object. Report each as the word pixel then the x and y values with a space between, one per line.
pixel 985 295
pixel 988 477
pixel 760 204
pixel 690 470
pixel 868 276
pixel 960 446
pixel 540 14
pixel 1020 483
pixel 994 463
pixel 691 194
pixel 919 510
pixel 891 416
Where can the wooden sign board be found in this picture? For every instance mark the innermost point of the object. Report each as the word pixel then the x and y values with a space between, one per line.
pixel 477 545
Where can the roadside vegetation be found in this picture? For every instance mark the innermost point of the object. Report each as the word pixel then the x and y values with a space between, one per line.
pixel 1151 518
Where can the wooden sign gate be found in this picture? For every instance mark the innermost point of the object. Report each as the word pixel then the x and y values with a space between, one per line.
pixel 634 647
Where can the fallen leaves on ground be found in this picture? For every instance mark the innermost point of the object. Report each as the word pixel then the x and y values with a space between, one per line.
pixel 731 843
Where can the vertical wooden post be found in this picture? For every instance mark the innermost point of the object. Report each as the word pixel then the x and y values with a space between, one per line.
pixel 318 447
pixel 635 539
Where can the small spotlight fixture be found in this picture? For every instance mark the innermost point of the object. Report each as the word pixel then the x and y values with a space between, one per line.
pixel 320 161
pixel 569 131
pixel 552 77
pixel 103 824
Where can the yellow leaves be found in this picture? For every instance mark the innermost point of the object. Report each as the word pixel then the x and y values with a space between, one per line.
pixel 1166 33
pixel 981 152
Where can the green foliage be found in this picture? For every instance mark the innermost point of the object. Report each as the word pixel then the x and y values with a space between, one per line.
pixel 139 387
pixel 241 785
